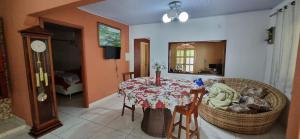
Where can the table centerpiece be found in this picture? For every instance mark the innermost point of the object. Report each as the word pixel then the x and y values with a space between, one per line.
pixel 158 67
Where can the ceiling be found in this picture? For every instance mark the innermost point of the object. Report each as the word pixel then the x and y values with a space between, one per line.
pixel 133 12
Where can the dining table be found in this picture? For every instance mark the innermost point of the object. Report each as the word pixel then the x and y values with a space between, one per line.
pixel 157 100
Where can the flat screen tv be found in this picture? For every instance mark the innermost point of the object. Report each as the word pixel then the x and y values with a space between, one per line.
pixel 111 52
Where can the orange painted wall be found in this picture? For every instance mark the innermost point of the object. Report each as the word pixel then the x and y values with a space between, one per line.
pixel 16 17
pixel 293 130
pixel 101 77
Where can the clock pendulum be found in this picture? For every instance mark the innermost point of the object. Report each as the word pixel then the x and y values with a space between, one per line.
pixel 42 96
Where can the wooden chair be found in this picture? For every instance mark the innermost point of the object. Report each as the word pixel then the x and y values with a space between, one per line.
pixel 187 110
pixel 126 76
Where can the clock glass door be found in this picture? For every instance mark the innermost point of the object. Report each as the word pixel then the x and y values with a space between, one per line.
pixel 42 77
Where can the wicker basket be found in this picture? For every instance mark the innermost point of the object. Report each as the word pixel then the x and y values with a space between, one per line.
pixel 246 123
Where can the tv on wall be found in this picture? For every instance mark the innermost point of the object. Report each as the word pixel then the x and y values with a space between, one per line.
pixel 112 52
pixel 110 40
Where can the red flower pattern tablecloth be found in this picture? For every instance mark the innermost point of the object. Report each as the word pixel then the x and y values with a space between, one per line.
pixel 143 91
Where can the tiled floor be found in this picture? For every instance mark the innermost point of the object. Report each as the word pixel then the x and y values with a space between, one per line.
pixel 104 121
pixel 75 100
pixel 11 125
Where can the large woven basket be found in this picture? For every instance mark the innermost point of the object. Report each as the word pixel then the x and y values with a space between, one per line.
pixel 246 123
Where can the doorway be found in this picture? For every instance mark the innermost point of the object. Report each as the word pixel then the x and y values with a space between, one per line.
pixel 141 57
pixel 68 65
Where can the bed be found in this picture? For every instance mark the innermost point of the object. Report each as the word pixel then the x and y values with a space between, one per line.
pixel 68 82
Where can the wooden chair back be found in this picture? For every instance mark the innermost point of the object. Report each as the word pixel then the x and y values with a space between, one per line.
pixel 128 75
pixel 198 95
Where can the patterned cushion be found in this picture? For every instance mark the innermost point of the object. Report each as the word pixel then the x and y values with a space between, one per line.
pixel 254 91
pixel 5 109
pixel 258 104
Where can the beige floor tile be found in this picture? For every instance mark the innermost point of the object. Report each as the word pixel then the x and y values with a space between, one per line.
pixel 109 133
pixel 124 124
pixel 68 122
pixel 138 113
pixel 100 110
pixel 112 106
pixel 277 132
pixel 74 111
pixel 217 133
pixel 114 100
pixel 5 126
pixel 83 130
pixel 50 136
pixel 203 135
pixel 263 136
pixel 11 126
pixel 108 136
pixel 20 135
pixel 142 136
pixel 102 119
pixel 138 132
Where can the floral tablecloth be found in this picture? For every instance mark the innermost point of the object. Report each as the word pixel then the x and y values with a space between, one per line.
pixel 143 91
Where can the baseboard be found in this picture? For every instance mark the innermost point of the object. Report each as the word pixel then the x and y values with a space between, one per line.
pixel 91 105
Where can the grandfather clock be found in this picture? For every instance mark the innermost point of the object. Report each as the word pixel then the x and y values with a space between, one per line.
pixel 39 68
pixel 4 80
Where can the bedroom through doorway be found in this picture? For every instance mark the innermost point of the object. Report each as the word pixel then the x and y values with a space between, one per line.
pixel 67 62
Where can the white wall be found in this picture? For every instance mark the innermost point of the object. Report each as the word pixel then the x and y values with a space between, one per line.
pixel 245 33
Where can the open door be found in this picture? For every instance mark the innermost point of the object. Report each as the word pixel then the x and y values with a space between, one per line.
pixel 141 57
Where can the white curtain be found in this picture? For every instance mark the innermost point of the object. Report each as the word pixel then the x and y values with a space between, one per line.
pixel 285 50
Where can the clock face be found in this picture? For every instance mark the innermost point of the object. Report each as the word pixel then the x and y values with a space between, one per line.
pixel 38 46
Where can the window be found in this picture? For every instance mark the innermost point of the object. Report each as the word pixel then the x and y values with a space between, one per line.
pixel 179 59
pixel 185 59
pixel 197 57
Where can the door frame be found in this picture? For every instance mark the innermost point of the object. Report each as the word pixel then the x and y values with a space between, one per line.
pixel 137 61
pixel 293 127
pixel 83 64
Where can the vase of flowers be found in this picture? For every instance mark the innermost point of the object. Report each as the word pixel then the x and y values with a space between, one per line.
pixel 158 67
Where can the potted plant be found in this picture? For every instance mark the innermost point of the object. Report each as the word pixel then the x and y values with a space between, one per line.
pixel 158 67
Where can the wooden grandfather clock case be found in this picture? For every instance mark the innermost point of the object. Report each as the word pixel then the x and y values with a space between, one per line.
pixel 4 80
pixel 40 77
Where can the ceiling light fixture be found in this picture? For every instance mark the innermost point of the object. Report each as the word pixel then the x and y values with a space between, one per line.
pixel 175 13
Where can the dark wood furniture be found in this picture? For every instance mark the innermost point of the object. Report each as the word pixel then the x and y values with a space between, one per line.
pixel 40 77
pixel 126 76
pixel 187 111
pixel 156 122
pixel 4 82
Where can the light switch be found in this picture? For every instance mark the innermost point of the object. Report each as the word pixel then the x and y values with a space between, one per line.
pixel 127 56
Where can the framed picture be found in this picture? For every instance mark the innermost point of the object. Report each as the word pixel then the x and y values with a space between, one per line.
pixel 108 36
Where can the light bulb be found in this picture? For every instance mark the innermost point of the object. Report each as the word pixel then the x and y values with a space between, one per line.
pixel 166 19
pixel 183 16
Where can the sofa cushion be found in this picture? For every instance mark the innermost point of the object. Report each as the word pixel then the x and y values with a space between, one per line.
pixel 254 91
pixel 258 104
